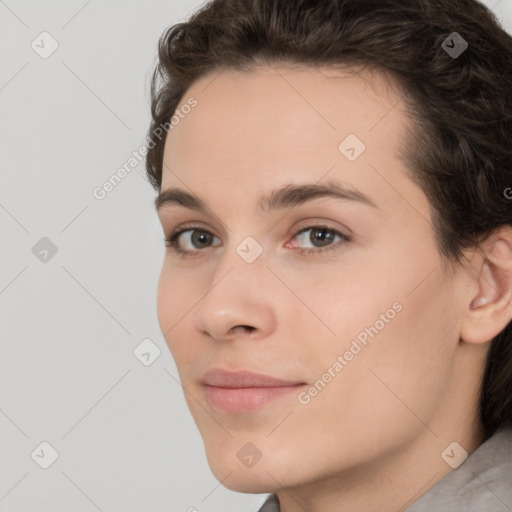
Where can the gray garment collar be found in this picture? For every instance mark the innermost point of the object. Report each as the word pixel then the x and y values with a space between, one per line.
pixel 482 483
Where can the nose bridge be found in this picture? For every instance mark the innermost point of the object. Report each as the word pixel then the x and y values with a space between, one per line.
pixel 244 257
pixel 238 293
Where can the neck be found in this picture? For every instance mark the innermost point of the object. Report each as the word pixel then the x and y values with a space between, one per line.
pixel 401 475
pixel 387 485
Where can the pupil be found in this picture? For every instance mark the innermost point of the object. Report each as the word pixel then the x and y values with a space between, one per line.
pixel 321 235
pixel 325 237
pixel 201 237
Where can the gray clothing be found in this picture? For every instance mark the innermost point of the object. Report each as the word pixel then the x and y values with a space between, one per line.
pixel 482 483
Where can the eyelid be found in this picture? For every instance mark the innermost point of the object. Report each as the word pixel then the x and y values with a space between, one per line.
pixel 295 229
pixel 190 226
pixel 311 224
pixel 321 221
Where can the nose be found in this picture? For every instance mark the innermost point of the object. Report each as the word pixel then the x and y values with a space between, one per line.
pixel 239 301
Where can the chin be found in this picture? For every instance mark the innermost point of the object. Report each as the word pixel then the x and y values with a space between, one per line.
pixel 261 478
pixel 248 482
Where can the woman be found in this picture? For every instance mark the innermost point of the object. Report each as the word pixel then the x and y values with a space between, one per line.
pixel 335 192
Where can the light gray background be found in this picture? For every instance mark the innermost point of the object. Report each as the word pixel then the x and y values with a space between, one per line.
pixel 124 436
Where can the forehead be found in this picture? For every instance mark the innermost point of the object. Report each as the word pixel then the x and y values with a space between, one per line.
pixel 277 122
pixel 330 99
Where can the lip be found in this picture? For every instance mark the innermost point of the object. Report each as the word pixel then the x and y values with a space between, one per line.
pixel 243 379
pixel 243 391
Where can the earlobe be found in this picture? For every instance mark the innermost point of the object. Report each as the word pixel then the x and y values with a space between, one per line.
pixel 490 308
pixel 479 302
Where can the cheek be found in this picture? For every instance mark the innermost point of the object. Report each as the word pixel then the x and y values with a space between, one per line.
pixel 175 297
pixel 164 300
pixel 178 289
pixel 403 368
pixel 389 316
pixel 348 298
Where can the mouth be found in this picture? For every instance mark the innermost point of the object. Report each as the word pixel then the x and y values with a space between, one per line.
pixel 239 392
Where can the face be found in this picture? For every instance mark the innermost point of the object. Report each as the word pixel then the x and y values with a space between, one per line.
pixel 343 297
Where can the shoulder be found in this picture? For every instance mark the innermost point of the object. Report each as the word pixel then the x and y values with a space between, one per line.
pixel 271 504
pixel 482 483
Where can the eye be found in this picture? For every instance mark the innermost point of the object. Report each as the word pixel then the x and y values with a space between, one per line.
pixel 324 236
pixel 194 236
pixel 198 238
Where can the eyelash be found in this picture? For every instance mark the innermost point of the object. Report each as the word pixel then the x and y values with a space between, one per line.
pixel 172 241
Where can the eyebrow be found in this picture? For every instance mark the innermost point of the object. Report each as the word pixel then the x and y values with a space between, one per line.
pixel 285 197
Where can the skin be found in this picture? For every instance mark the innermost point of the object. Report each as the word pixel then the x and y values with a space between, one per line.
pixel 372 438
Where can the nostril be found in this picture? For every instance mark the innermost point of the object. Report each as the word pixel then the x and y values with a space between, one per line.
pixel 249 328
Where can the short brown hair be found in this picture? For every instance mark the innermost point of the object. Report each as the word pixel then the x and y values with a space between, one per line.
pixel 461 151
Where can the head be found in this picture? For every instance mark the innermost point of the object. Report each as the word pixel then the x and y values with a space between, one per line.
pixel 389 306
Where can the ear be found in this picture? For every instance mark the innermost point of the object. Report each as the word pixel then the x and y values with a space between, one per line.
pixel 489 309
